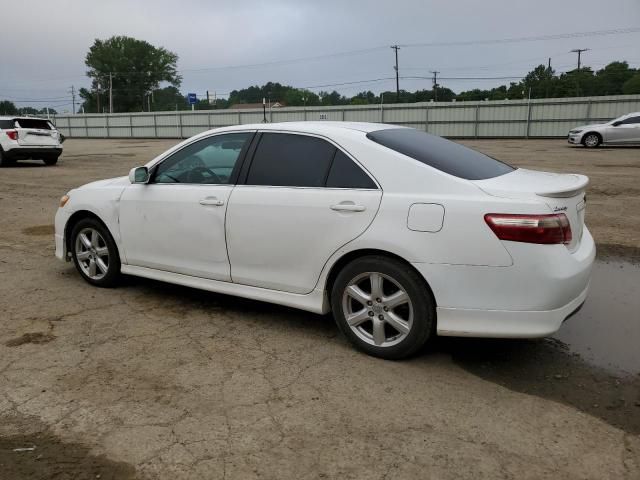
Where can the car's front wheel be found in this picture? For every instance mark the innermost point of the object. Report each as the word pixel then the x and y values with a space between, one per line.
pixel 383 307
pixel 95 253
pixel 591 140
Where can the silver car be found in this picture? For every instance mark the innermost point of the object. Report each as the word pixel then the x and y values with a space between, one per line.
pixel 621 130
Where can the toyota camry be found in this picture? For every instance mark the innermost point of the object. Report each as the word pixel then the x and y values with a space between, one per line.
pixel 402 235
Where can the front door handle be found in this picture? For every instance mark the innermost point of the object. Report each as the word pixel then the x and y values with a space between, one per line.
pixel 348 207
pixel 212 201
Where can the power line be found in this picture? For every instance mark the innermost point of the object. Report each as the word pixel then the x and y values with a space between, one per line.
pixel 558 36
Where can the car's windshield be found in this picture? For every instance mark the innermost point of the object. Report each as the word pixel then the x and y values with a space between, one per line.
pixel 439 153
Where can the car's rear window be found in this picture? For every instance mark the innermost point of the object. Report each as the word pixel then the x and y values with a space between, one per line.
pixel 437 152
pixel 34 123
pixel 7 124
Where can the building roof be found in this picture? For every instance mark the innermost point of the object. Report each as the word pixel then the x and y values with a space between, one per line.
pixel 247 106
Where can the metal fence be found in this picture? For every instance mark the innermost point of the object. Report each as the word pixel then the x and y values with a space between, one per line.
pixel 484 119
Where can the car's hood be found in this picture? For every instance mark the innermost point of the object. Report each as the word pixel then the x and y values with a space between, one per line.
pixel 109 182
pixel 590 127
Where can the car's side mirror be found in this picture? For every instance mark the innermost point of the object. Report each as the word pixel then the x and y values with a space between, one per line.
pixel 615 124
pixel 139 175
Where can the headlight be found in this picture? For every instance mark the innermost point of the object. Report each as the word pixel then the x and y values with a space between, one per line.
pixel 64 200
pixel 575 131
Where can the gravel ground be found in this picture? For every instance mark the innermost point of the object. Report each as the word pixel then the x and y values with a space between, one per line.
pixel 150 380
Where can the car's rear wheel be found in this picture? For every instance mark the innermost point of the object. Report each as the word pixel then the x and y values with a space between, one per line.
pixel 50 161
pixel 4 161
pixel 95 253
pixel 383 307
pixel 591 140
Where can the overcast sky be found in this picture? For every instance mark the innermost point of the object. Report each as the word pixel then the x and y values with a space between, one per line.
pixel 42 58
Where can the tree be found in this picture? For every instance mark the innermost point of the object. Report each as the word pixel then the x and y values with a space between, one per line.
pixel 610 79
pixel 136 68
pixel 632 85
pixel 28 111
pixel 8 108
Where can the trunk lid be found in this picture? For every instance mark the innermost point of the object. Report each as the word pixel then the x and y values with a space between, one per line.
pixel 561 192
pixel 36 132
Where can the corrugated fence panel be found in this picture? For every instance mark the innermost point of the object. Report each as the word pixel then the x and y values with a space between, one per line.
pixel 602 110
pixel 362 115
pixel 504 118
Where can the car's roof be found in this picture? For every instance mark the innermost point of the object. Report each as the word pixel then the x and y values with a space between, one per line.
pixel 320 127
pixel 19 117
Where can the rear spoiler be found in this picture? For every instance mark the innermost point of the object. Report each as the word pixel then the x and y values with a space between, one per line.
pixel 575 189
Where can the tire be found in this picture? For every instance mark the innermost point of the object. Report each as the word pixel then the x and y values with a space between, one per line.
pixel 375 328
pixel 50 161
pixel 4 161
pixel 591 140
pixel 95 253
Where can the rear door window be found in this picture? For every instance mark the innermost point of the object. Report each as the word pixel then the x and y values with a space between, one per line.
pixel 344 173
pixel 439 153
pixel 290 160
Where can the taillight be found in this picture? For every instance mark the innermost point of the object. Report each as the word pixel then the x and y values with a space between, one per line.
pixel 546 229
pixel 12 134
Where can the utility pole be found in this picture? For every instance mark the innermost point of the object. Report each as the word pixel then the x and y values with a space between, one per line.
pixel 435 85
pixel 73 99
pixel 579 52
pixel 396 48
pixel 98 98
pixel 110 93
pixel 549 66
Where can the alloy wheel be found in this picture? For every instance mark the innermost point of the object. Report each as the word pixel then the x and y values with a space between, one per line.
pixel 92 253
pixel 591 140
pixel 377 309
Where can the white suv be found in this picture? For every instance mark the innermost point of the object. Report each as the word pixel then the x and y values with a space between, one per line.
pixel 23 138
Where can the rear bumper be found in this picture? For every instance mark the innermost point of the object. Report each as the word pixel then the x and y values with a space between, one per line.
pixel 25 153
pixel 506 323
pixel 531 298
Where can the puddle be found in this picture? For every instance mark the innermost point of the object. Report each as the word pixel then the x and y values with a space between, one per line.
pixel 35 337
pixel 606 332
pixel 592 363
pixel 43 456
pixel 39 230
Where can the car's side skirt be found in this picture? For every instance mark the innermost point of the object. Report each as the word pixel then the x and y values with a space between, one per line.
pixel 315 301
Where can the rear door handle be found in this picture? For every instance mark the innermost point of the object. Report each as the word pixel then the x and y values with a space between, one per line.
pixel 211 201
pixel 348 207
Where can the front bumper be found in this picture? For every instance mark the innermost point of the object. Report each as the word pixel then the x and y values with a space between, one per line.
pixel 575 139
pixel 529 299
pixel 62 216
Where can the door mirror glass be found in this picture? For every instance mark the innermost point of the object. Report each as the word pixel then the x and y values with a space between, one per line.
pixel 139 175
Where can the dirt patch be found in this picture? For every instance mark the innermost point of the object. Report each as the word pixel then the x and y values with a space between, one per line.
pixel 35 337
pixel 611 251
pixel 39 230
pixel 43 456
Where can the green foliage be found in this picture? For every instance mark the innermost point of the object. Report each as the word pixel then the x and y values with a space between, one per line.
pixel 632 85
pixel 136 68
pixel 8 108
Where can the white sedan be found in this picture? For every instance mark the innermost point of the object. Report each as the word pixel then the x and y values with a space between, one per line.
pixel 399 233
